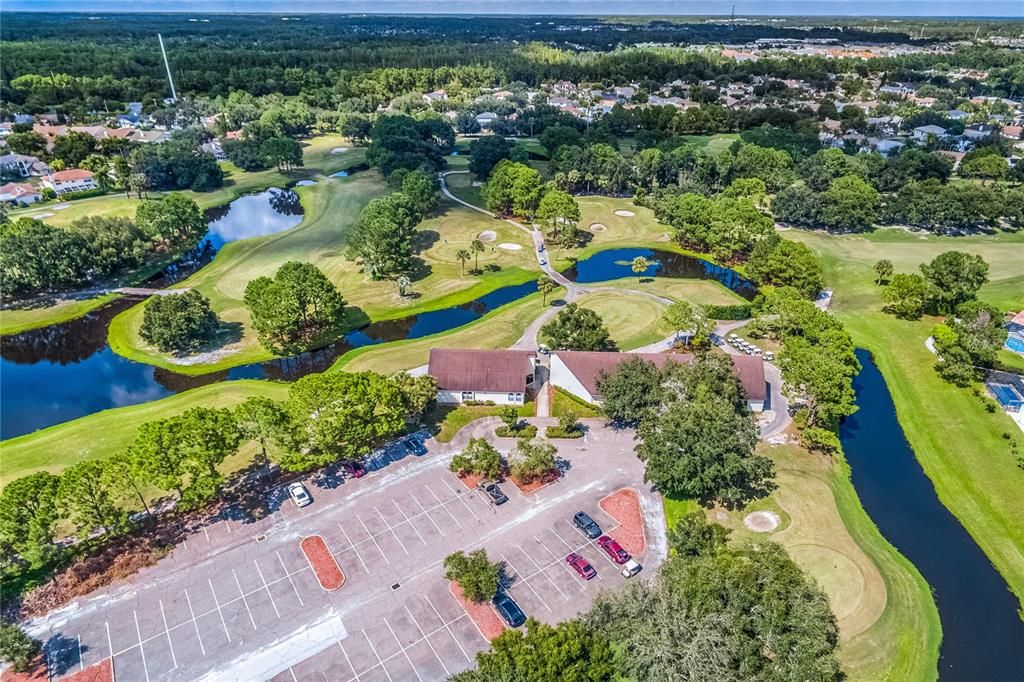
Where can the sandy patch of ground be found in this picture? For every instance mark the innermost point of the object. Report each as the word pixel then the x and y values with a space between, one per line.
pixel 323 563
pixel 597 227
pixel 508 246
pixel 40 216
pixel 624 506
pixel 339 150
pixel 204 358
pixel 623 213
pixel 305 183
pixel 487 236
pixel 60 207
pixel 477 183
pixel 761 521
pixel 484 617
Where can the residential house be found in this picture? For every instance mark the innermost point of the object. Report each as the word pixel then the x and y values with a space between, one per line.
pixel 20 193
pixel 578 372
pixel 978 131
pixel 957 115
pixel 74 180
pixel 625 92
pixel 888 147
pixel 435 96
pixel 22 165
pixel 1011 132
pixel 486 118
pixel 564 88
pixel 499 376
pixel 923 133
pixel 900 89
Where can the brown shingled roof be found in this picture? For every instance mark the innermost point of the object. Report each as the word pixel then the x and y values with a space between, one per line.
pixel 495 371
pixel 587 366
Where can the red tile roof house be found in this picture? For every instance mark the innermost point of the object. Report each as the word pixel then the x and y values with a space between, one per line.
pixel 577 372
pixel 20 193
pixel 501 376
pixel 74 180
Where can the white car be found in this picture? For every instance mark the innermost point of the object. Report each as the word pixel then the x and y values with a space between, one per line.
pixel 299 494
pixel 630 568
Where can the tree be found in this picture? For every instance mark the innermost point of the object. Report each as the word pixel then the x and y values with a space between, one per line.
pixel 630 391
pixel 968 340
pixel 85 498
pixel 174 220
pixel 639 265
pixel 545 653
pixel 73 147
pixel 478 458
pixel 466 123
pixel 559 135
pixel 510 415
pixel 986 167
pixel 486 153
pixel 562 213
pixel 905 295
pixel 264 421
pixel 781 262
pixel 514 188
pixel 462 255
pixel 819 372
pixel 30 143
pixel 18 649
pixel 474 573
pixel 849 205
pixel 423 191
pixel 124 479
pixel 382 236
pixel 179 322
pixel 883 270
pixel 531 460
pixel 285 152
pixel 954 277
pixel 693 536
pixel 28 512
pixel 684 316
pixel 545 285
pixel 477 247
pixel 295 307
pixel 403 283
pixel 204 438
pixel 703 447
pixel 576 328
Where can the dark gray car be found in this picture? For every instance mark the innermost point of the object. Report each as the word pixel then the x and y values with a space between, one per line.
pixel 586 524
pixel 509 610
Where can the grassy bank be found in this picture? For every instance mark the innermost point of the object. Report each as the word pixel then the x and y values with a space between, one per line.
pixel 105 433
pixel 959 444
pixel 15 321
pixel 632 320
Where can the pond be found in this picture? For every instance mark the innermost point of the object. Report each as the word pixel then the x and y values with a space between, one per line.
pixel 617 263
pixel 983 636
pixel 66 371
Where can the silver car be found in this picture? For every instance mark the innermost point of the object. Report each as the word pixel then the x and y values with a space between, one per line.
pixel 299 494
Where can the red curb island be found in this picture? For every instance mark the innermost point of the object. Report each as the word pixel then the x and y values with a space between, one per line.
pixel 537 483
pixel 471 481
pixel 323 563
pixel 37 673
pixel 624 506
pixel 483 616
pixel 100 672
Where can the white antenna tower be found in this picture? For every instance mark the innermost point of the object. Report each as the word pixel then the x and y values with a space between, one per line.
pixel 174 95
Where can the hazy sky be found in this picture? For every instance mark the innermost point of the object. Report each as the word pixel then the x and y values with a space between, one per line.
pixel 950 8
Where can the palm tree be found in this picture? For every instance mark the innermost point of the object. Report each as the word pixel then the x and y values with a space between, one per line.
pixel 462 255
pixel 545 285
pixel 477 247
pixel 403 283
pixel 640 265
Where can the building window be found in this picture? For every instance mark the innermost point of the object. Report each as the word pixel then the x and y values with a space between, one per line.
pixel 519 397
pixel 467 395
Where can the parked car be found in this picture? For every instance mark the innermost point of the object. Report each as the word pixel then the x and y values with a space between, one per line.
pixel 581 566
pixel 494 492
pixel 613 549
pixel 630 568
pixel 414 447
pixel 299 494
pixel 508 609
pixel 586 524
pixel 540 248
pixel 355 469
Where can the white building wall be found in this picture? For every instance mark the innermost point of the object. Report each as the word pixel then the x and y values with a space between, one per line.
pixel 756 405
pixel 561 376
pixel 455 397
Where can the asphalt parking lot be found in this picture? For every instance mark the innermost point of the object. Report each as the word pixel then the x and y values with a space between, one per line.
pixel 239 600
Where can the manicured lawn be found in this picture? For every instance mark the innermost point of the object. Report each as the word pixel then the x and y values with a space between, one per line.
pixel 498 329
pixel 15 320
pixel 700 291
pixel 958 443
pixel 446 421
pixel 106 433
pixel 632 320
pixel 1011 361
pixel 562 401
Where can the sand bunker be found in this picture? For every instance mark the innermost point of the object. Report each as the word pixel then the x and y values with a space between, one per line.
pixel 339 150
pixel 597 227
pixel 40 216
pixel 487 236
pixel 305 183
pixel 510 247
pixel 624 213
pixel 761 521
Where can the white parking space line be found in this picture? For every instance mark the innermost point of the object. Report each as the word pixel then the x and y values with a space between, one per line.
pixel 561 561
pixel 110 646
pixel 386 559
pixel 447 626
pixel 392 529
pixel 285 569
pixel 402 647
pixel 445 507
pixel 424 512
pixel 206 533
pixel 294 678
pixel 349 541
pixel 409 521
pixel 195 622
pixel 552 531
pixel 348 660
pixel 170 645
pixel 219 612
pixel 81 663
pixel 379 661
pixel 461 498
pixel 423 636
pixel 541 571
pixel 142 649
pixel 244 600
pixel 267 588
pixel 520 578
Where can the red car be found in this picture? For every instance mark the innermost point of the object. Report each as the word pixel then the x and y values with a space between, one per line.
pixel 613 549
pixel 581 566
pixel 355 469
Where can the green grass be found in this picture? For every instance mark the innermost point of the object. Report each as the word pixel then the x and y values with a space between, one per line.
pixel 1011 361
pixel 632 321
pixel 562 401
pixel 446 421
pixel 702 291
pixel 499 328
pixel 14 321
pixel 958 443
pixel 105 433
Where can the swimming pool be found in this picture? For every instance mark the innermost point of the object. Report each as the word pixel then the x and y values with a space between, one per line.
pixel 1015 344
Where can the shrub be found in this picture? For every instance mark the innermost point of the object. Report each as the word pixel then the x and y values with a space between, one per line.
pixel 474 573
pixel 737 311
pixel 84 194
pixel 521 431
pixel 531 460
pixel 179 322
pixel 17 648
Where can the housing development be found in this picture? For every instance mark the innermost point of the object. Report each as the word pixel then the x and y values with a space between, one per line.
pixel 373 347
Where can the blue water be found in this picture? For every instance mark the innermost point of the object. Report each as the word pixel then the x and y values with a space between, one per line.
pixel 983 636
pixel 1015 344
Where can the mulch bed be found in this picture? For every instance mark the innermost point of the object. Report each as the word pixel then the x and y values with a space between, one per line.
pixel 486 619
pixel 100 672
pixel 537 483
pixel 624 506
pixel 323 563
pixel 38 673
pixel 471 481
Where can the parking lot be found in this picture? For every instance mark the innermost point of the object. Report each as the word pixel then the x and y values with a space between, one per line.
pixel 239 600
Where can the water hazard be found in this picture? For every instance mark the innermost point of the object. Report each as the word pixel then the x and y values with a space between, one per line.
pixel 983 636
